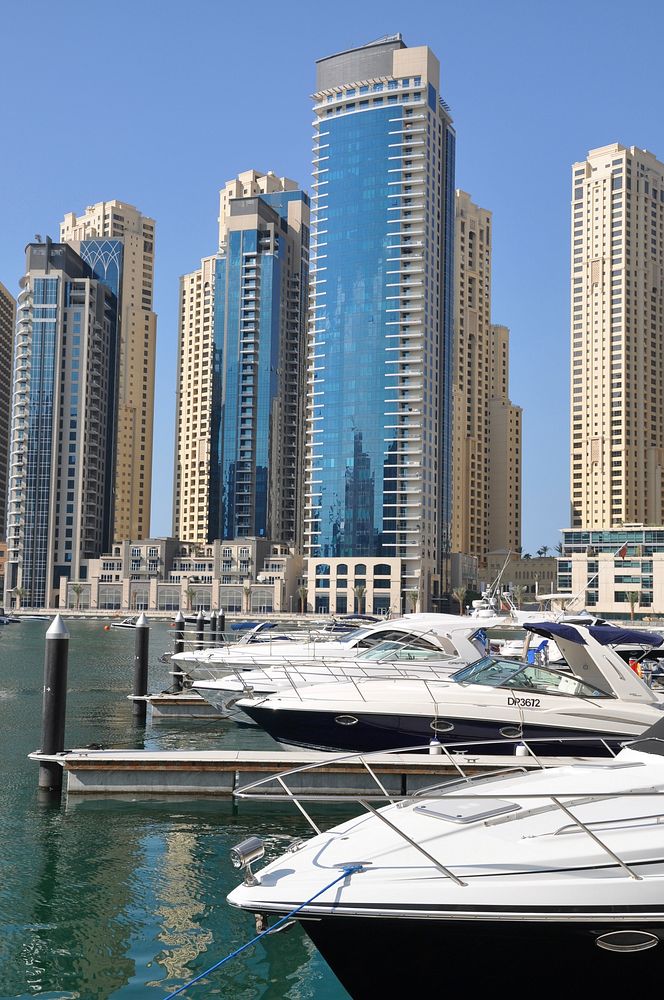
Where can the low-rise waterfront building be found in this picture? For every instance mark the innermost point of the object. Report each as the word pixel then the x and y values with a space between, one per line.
pixel 247 575
pixel 616 572
pixel 360 584
pixel 528 578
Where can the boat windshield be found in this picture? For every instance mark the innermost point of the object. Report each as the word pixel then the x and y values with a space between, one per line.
pixel 351 638
pixel 494 672
pixel 390 650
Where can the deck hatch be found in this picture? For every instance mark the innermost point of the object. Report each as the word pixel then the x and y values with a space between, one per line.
pixel 456 810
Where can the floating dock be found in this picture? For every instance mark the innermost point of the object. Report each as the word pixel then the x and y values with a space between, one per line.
pixel 187 773
pixel 180 705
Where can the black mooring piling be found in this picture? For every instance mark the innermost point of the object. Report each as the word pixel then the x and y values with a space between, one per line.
pixel 178 644
pixel 54 704
pixel 142 641
pixel 200 629
pixel 221 627
pixel 213 628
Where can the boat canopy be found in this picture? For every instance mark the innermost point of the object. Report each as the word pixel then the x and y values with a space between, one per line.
pixel 243 626
pixel 605 635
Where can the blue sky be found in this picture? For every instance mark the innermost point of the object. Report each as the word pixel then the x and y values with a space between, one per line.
pixel 158 104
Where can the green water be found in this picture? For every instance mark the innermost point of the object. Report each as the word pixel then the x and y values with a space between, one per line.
pixel 105 898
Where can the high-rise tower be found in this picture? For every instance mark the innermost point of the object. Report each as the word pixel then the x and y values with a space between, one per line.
pixel 504 449
pixel 617 320
pixel 7 322
pixel 378 426
pixel 60 500
pixel 472 375
pixel 486 509
pixel 240 368
pixel 118 221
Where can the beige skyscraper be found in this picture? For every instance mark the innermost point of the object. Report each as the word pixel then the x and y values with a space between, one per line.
pixel 471 378
pixel 118 221
pixel 486 441
pixel 191 481
pixel 617 320
pixel 504 450
pixel 7 323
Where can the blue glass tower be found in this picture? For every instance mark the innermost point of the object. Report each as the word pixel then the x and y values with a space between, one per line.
pixel 60 498
pixel 378 427
pixel 261 284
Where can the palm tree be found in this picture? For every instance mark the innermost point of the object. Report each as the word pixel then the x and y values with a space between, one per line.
pixel 526 555
pixel 518 594
pixel 459 594
pixel 412 596
pixel 633 598
pixel 359 590
pixel 543 551
pixel 302 594
pixel 246 590
pixel 190 594
pixel 77 588
pixel 558 547
pixel 19 594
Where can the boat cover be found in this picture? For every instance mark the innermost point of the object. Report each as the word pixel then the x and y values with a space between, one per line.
pixel 604 634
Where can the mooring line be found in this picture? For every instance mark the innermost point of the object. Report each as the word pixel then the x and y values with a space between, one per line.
pixel 348 870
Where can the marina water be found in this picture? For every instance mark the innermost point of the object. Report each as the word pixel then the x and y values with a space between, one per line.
pixel 115 898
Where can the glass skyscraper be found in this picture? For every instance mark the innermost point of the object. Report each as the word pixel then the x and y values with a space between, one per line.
pixel 260 296
pixel 378 424
pixel 63 434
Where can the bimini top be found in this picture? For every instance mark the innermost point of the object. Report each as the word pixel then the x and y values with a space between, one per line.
pixel 605 635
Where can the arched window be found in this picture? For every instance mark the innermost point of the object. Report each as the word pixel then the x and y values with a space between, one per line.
pixel 382 569
pixel 323 569
pixel 342 569
pixel 360 569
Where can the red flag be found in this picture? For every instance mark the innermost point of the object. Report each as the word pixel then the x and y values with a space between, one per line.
pixel 623 551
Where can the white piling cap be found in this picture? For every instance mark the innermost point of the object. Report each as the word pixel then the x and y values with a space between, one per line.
pixel 179 618
pixel 57 629
pixel 142 622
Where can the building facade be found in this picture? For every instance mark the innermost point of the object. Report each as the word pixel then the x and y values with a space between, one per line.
pixel 504 449
pixel 486 454
pixel 193 404
pixel 240 378
pixel 242 576
pixel 617 323
pixel 379 355
pixel 7 325
pixel 63 433
pixel 616 572
pixel 471 493
pixel 119 223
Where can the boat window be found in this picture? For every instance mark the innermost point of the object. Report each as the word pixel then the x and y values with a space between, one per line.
pixel 392 650
pixel 396 635
pixel 351 638
pixel 525 677
pixel 487 670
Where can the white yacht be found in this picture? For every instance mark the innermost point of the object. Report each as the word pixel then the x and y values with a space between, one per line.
pixel 422 653
pixel 545 881
pixel 216 662
pixel 597 694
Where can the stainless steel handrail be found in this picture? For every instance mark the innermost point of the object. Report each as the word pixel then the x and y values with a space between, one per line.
pixel 576 798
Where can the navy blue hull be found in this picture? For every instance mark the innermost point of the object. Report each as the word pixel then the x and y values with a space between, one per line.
pixel 321 730
pixel 374 957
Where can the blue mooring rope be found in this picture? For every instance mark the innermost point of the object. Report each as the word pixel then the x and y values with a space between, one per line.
pixel 348 870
